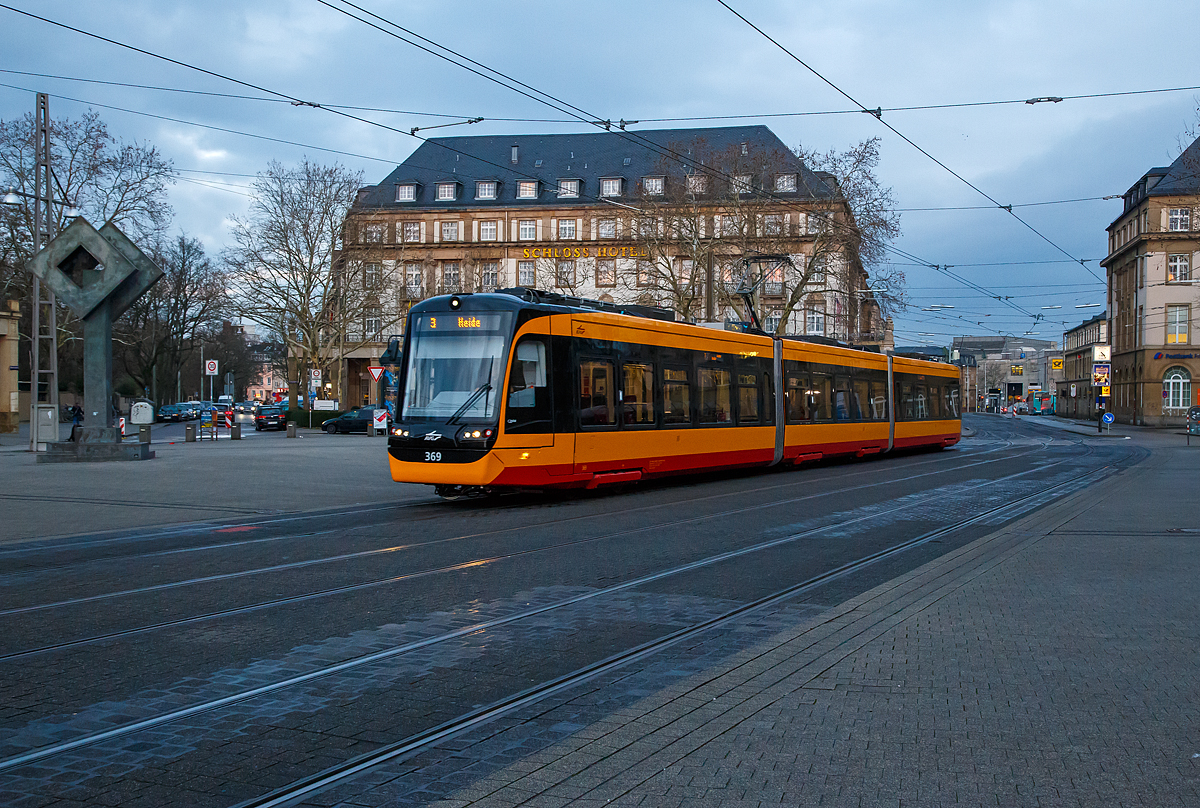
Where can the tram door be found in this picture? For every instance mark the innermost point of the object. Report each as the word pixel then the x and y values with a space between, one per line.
pixel 528 411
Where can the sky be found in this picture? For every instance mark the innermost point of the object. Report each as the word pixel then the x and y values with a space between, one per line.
pixel 630 60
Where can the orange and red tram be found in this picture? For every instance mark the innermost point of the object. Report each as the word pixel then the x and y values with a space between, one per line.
pixel 524 389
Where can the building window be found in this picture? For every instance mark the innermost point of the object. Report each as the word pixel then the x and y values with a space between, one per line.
pixel 489 276
pixel 687 271
pixel 525 274
pixel 406 193
pixel 450 277
pixel 610 187
pixel 647 227
pixel 485 189
pixel 527 230
pixel 644 273
pixel 1179 219
pixel 816 222
pixel 1177 389
pixel 413 281
pixel 785 183
pixel 1177 325
pixel 372 276
pixel 773 282
pixel 773 225
pixel 771 323
pixel 527 189
pixel 606 272
pixel 447 191
pixel 697 183
pixel 410 232
pixel 568 188
pixel 372 322
pixel 1179 268
pixel 487 231
pixel 814 321
pixel 607 228
pixel 372 233
pixel 726 225
pixel 449 231
pixel 566 228
pixel 652 186
pixel 564 273
pixel 741 184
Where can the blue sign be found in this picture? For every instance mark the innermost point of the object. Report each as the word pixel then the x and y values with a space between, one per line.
pixel 1108 418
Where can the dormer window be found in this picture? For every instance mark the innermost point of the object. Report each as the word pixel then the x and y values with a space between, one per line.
pixel 697 183
pixel 527 189
pixel 447 191
pixel 785 183
pixel 568 188
pixel 485 189
pixel 406 192
pixel 742 184
pixel 610 187
pixel 653 186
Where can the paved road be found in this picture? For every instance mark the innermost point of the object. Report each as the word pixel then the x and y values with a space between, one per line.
pixel 212 663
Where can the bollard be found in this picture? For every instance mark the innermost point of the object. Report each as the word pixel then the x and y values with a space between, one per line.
pixel 291 429
pixel 189 433
pixel 144 433
pixel 235 432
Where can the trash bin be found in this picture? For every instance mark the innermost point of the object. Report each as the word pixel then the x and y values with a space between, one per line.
pixel 189 433
pixel 235 432
pixel 144 433
pixel 291 429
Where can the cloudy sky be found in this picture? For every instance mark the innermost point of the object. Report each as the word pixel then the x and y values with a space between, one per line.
pixel 645 59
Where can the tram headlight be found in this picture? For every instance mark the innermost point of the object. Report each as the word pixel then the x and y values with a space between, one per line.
pixel 472 433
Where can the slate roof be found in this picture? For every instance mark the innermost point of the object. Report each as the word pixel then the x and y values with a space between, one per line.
pixel 1183 175
pixel 588 157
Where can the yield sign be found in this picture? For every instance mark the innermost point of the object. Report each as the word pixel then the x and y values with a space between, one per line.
pixel 376 372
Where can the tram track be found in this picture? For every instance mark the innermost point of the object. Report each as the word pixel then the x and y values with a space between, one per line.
pixel 472 563
pixel 217 546
pixel 594 669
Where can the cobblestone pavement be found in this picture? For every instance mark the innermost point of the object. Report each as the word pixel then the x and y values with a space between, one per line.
pixel 239 750
pixel 1049 663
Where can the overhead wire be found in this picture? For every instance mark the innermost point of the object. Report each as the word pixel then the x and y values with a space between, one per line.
pixel 877 114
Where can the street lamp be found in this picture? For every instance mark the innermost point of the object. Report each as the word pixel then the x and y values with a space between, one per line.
pixel 13 197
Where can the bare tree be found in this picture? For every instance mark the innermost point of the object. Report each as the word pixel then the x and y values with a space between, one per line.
pixel 828 214
pixel 290 273
pixel 164 327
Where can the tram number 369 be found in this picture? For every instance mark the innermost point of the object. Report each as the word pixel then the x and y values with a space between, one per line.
pixel 433 457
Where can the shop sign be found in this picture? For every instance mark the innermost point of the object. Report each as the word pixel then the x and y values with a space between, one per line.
pixel 1161 355
pixel 586 252
pixel 1056 363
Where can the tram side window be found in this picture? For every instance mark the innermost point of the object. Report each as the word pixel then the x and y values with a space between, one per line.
pixel 921 396
pixel 715 396
pixel 859 405
pixel 677 400
pixel 528 407
pixel 748 398
pixel 796 399
pixel 935 401
pixel 951 400
pixel 638 402
pixel 907 405
pixel 841 399
pixel 596 394
pixel 820 397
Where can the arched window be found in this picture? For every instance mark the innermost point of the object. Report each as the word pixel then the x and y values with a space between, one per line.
pixel 1177 389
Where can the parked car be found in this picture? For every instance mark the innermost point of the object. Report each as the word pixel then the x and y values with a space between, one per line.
pixel 171 412
pixel 269 418
pixel 354 421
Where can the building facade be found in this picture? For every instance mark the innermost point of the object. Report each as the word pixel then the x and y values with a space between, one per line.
pixel 1077 397
pixel 658 218
pixel 1005 369
pixel 1153 304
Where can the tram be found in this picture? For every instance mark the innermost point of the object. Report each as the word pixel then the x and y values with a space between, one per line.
pixel 528 389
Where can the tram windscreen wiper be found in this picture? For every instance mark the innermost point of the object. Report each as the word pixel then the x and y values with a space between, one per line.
pixel 467 404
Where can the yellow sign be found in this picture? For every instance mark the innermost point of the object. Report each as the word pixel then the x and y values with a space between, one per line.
pixel 586 252
pixel 1104 390
pixel 1056 363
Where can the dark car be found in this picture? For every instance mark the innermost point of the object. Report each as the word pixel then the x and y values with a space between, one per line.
pixel 269 418
pixel 170 412
pixel 354 421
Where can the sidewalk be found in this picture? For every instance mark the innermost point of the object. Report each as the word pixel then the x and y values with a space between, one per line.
pixel 1079 427
pixel 1050 663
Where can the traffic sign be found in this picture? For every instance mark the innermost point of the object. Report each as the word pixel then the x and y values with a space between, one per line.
pixel 210 367
pixel 1108 418
pixel 381 419
pixel 1104 391
pixel 376 372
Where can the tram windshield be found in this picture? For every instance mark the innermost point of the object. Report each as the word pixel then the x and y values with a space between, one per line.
pixel 456 365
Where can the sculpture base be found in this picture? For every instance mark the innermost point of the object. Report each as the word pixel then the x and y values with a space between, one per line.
pixel 94 445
